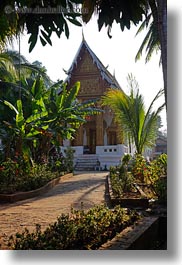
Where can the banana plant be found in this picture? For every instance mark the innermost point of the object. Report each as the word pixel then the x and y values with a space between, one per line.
pixel 24 130
pixel 47 116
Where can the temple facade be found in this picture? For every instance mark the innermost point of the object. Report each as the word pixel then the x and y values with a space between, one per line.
pixel 99 140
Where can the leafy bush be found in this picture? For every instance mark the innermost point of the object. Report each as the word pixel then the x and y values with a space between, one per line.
pixel 160 187
pixel 57 162
pixel 158 167
pixel 10 174
pixel 78 230
pixel 68 162
pixel 17 177
pixel 157 175
pixel 121 180
pixel 19 174
pixel 150 174
pixel 139 168
pixel 162 160
pixel 126 159
pixel 40 175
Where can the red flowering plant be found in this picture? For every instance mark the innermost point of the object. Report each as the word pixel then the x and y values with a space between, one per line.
pixel 1 168
pixel 8 174
pixel 18 175
pixel 157 175
pixel 12 171
pixel 140 169
pixel 153 175
pixel 157 168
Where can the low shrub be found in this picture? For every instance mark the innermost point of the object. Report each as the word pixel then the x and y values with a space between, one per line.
pixel 160 187
pixel 150 176
pixel 56 162
pixel 139 168
pixel 68 160
pixel 126 160
pixel 16 177
pixel 121 180
pixel 60 162
pixel 157 175
pixel 39 176
pixel 81 230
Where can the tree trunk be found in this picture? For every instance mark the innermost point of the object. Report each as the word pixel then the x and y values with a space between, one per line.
pixel 162 27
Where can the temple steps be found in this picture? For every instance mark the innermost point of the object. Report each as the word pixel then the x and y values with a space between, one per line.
pixel 87 163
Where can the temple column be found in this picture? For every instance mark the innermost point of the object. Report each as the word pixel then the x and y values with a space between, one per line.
pixel 79 137
pixel 84 137
pixel 99 130
pixel 119 134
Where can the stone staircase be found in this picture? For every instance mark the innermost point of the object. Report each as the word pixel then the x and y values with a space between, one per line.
pixel 86 163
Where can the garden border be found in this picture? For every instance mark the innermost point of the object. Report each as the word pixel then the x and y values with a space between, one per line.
pixel 11 198
pixel 135 237
pixel 127 202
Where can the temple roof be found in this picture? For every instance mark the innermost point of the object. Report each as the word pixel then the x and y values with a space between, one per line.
pixel 106 75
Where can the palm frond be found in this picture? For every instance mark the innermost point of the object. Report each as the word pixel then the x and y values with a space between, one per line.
pixel 151 40
pixel 149 129
pixel 139 53
pixel 144 24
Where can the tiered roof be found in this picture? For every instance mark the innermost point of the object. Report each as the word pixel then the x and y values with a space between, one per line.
pixel 106 75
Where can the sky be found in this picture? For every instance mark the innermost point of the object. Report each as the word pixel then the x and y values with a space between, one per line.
pixel 118 53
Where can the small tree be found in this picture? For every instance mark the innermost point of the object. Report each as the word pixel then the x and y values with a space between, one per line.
pixel 130 114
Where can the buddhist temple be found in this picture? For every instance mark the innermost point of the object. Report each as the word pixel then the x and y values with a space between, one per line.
pixel 99 141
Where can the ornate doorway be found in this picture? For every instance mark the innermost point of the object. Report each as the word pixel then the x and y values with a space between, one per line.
pixel 89 139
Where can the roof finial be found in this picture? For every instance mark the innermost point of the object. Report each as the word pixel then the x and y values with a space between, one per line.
pixel 114 74
pixel 83 38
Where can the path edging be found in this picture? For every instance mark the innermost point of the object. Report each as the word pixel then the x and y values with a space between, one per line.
pixel 127 202
pixel 33 193
pixel 138 236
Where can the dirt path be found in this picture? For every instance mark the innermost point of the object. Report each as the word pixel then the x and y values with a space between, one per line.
pixel 85 188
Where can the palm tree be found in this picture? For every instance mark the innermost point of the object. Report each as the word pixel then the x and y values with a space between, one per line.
pixel 130 113
pixel 14 67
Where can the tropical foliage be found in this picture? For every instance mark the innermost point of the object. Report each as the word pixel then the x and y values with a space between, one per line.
pixel 49 116
pixel 14 65
pixel 150 176
pixel 151 40
pixel 15 16
pixel 17 175
pixel 129 12
pixel 35 112
pixel 137 123
pixel 36 115
pixel 121 181
pixel 139 168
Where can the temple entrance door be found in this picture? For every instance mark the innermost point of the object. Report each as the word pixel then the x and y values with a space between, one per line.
pixel 92 141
